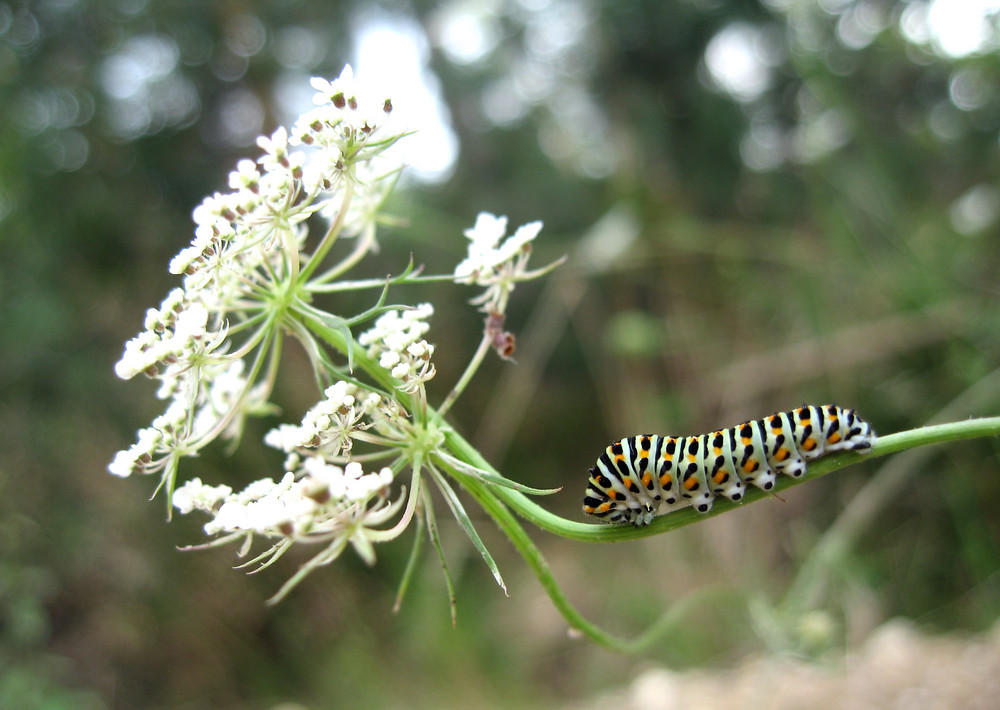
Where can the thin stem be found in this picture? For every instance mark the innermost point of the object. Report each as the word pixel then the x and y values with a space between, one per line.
pixel 404 520
pixel 812 577
pixel 318 284
pixel 524 545
pixel 327 242
pixel 363 246
pixel 292 253
pixel 270 345
pixel 463 381
pixel 411 564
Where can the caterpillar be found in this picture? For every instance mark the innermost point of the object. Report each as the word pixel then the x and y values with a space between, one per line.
pixel 640 477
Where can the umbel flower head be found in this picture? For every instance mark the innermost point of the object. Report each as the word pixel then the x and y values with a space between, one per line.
pixel 250 277
pixel 243 277
pixel 493 264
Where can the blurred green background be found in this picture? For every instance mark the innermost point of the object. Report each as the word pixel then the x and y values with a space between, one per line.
pixel 764 204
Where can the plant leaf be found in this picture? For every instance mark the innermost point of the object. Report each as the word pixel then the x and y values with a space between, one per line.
pixel 462 467
pixel 463 519
pixel 432 530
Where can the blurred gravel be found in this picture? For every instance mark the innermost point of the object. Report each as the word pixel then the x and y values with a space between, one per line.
pixel 897 668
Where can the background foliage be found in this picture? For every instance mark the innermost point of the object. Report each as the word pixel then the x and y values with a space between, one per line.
pixel 805 212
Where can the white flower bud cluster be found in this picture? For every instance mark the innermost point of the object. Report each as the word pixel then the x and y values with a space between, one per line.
pixel 323 499
pixel 396 340
pixel 176 431
pixel 347 114
pixel 223 263
pixel 494 264
pixel 246 243
pixel 329 425
pixel 135 458
pixel 173 332
pixel 195 495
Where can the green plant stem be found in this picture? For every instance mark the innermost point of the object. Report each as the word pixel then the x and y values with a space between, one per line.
pixel 501 503
pixel 671 618
pixel 813 576
pixel 508 523
pixel 590 532
pixel 486 495
pixel 331 235
pixel 463 381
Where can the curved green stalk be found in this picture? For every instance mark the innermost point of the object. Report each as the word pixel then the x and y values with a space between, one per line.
pixel 669 621
pixel 508 523
pixel 502 502
pixel 813 575
pixel 599 532
pixel 499 501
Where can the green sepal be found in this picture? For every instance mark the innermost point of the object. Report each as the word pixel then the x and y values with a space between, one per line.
pixel 461 467
pixel 432 530
pixel 463 519
pixel 411 565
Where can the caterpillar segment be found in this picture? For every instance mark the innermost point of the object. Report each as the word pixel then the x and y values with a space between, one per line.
pixel 694 481
pixel 780 445
pixel 637 478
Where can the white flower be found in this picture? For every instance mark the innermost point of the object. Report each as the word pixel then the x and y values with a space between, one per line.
pixel 276 157
pixel 141 354
pixel 238 290
pixel 330 424
pixel 202 245
pixel 518 244
pixel 396 339
pixel 213 208
pixel 245 177
pixel 191 325
pixel 196 495
pixel 389 359
pixel 347 114
pixel 324 501
pixel 175 331
pixel 326 504
pixel 134 459
pixel 487 258
pixel 285 437
pixel 341 92
pixel 498 266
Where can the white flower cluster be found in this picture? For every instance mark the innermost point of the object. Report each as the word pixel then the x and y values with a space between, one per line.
pixel 137 457
pixel 329 425
pixel 322 501
pixel 195 495
pixel 174 332
pixel 494 264
pixel 245 251
pixel 235 232
pixel 346 115
pixel 396 340
pixel 193 416
pixel 215 344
